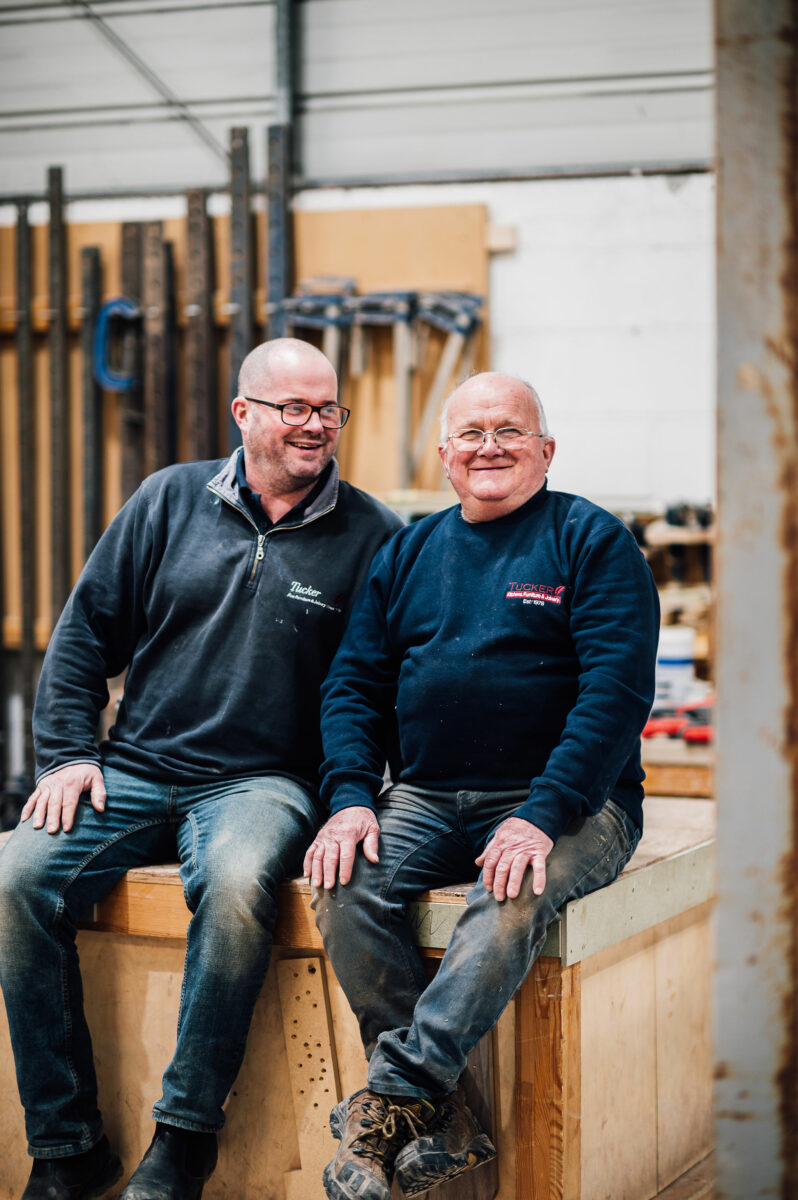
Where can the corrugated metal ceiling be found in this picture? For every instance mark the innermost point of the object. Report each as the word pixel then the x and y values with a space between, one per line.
pixel 141 94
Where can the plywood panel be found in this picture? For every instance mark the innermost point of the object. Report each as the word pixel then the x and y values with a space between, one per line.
pixel 312 1067
pixel 134 986
pixel 423 248
pixel 684 1046
pixel 619 1083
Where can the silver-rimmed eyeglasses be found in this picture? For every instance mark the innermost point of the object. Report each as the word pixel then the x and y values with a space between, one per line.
pixel 299 412
pixel 506 438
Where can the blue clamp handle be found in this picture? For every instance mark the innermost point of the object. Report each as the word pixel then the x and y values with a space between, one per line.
pixel 106 375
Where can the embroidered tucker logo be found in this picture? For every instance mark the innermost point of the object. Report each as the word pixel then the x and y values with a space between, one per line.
pixel 535 593
pixel 310 595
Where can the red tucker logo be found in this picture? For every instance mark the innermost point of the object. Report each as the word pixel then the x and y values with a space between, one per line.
pixel 535 591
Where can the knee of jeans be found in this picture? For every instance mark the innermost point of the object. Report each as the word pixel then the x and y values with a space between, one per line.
pixel 341 904
pixel 237 883
pixel 25 886
pixel 503 925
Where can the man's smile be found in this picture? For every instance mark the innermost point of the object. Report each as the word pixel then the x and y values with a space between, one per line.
pixel 305 445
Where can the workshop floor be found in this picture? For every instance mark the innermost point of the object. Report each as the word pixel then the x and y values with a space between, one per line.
pixel 697 1184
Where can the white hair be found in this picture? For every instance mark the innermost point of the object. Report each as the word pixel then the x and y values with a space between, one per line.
pixel 544 428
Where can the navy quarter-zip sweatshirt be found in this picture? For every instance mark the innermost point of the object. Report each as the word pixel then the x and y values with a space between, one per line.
pixel 227 629
pixel 518 654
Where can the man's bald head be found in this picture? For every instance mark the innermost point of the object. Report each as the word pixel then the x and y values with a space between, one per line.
pixel 498 382
pixel 279 355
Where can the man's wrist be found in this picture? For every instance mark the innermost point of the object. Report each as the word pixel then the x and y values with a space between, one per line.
pixel 350 796
pixel 541 809
pixel 70 762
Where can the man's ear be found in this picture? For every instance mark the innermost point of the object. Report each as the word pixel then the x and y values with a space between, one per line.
pixel 240 411
pixel 442 456
pixel 549 447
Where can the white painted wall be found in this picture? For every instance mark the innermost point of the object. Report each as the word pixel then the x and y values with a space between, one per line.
pixel 607 307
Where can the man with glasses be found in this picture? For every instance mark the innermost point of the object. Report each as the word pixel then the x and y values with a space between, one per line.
pixel 514 639
pixel 223 589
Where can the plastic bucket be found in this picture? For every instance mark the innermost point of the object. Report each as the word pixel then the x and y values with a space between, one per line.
pixel 675 665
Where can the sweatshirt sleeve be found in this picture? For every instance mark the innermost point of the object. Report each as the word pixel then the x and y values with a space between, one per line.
pixel 358 698
pixel 615 628
pixel 93 641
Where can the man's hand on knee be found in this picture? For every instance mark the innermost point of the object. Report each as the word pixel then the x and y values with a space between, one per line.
pixel 55 800
pixel 516 845
pixel 332 852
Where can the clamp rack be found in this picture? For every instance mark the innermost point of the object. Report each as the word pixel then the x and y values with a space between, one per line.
pixel 334 306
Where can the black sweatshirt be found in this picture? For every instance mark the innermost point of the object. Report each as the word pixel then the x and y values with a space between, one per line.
pixel 227 631
pixel 519 653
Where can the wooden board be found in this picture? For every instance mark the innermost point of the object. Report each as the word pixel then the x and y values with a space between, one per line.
pixel 684 1036
pixel 548 1083
pixel 578 1055
pixel 680 780
pixel 619 1075
pixel 674 768
pixel 312 1068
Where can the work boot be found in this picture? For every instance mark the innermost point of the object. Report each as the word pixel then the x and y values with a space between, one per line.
pixel 452 1143
pixel 177 1165
pixel 79 1177
pixel 371 1129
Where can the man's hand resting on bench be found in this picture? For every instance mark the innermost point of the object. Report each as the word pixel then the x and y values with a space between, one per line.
pixel 55 799
pixel 516 845
pixel 332 851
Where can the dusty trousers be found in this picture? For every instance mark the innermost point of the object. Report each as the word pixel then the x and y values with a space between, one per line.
pixel 417 1035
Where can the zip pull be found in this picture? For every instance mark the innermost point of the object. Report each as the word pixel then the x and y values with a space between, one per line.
pixel 259 555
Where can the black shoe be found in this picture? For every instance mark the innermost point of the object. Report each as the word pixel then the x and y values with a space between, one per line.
pixel 176 1166
pixel 79 1177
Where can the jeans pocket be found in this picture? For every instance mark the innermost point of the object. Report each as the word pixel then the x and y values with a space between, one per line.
pixel 629 833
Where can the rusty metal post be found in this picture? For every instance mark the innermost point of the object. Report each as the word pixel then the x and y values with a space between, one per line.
pixel 757 777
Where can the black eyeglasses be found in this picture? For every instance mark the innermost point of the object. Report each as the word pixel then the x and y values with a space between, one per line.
pixel 299 412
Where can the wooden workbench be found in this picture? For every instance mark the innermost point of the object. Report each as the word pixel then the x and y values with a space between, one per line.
pixel 601 1070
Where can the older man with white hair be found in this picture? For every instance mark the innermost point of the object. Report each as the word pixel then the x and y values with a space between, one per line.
pixel 512 640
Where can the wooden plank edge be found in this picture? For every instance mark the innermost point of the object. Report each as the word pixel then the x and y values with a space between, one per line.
pixel 639 901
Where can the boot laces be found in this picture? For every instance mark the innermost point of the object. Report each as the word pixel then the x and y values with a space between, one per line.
pixel 397 1121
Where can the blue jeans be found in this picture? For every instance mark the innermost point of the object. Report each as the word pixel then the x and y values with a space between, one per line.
pixel 236 841
pixel 417 1035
